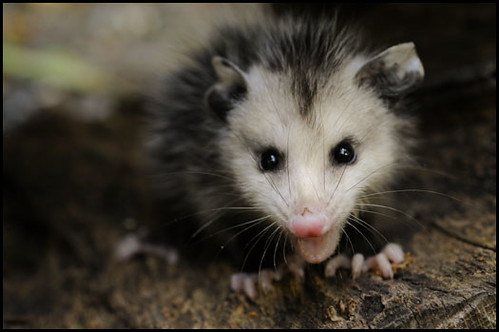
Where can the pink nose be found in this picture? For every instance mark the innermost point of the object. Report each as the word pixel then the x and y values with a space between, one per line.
pixel 308 225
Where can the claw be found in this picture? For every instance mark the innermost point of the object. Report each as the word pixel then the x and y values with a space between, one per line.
pixel 265 280
pixel 295 266
pixel 250 287
pixel 248 282
pixel 394 253
pixel 127 247
pixel 133 244
pixel 384 266
pixel 237 281
pixel 391 253
pixel 357 265
pixel 335 263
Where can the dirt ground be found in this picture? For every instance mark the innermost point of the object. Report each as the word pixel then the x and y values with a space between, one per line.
pixel 74 184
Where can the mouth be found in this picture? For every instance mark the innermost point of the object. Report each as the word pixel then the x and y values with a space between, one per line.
pixel 317 249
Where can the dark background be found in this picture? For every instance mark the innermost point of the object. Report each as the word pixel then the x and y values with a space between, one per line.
pixel 75 79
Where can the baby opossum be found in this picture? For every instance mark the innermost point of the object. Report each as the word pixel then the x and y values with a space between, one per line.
pixel 284 128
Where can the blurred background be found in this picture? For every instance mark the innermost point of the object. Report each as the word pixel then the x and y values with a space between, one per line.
pixel 75 81
pixel 94 51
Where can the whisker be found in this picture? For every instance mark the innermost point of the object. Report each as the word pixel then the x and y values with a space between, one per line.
pixel 165 174
pixel 284 249
pixel 251 223
pixel 390 208
pixel 257 220
pixel 362 234
pixel 267 245
pixel 313 186
pixel 323 159
pixel 394 218
pixel 414 190
pixel 206 222
pixel 321 114
pixel 418 167
pixel 337 184
pixel 358 210
pixel 277 246
pixel 175 220
pixel 269 180
pixel 287 163
pixel 369 227
pixel 348 240
pixel 259 235
pixel 368 175
pixel 215 214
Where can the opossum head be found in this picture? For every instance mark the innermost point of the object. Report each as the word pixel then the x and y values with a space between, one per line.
pixel 304 148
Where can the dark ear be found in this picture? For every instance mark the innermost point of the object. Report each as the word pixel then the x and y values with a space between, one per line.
pixel 393 72
pixel 230 87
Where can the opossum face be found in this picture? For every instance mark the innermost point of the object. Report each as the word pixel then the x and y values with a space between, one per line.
pixel 306 166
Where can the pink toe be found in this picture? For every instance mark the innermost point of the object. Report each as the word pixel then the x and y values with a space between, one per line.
pixel 249 287
pixel 357 265
pixel 394 253
pixel 335 263
pixel 384 266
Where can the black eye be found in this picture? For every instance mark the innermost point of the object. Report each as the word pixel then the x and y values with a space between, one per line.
pixel 343 153
pixel 270 160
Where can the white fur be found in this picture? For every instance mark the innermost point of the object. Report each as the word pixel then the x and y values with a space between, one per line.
pixel 270 117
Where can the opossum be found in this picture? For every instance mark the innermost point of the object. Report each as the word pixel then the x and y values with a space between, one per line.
pixel 284 130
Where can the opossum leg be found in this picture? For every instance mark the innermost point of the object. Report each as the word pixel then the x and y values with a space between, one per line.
pixel 391 253
pixel 134 244
pixel 249 283
pixel 339 261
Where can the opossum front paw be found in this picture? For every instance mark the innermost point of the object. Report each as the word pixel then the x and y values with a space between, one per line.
pixel 358 264
pixel 248 283
pixel 134 244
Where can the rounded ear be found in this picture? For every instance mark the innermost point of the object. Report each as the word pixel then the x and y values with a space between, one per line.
pixel 393 72
pixel 230 88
